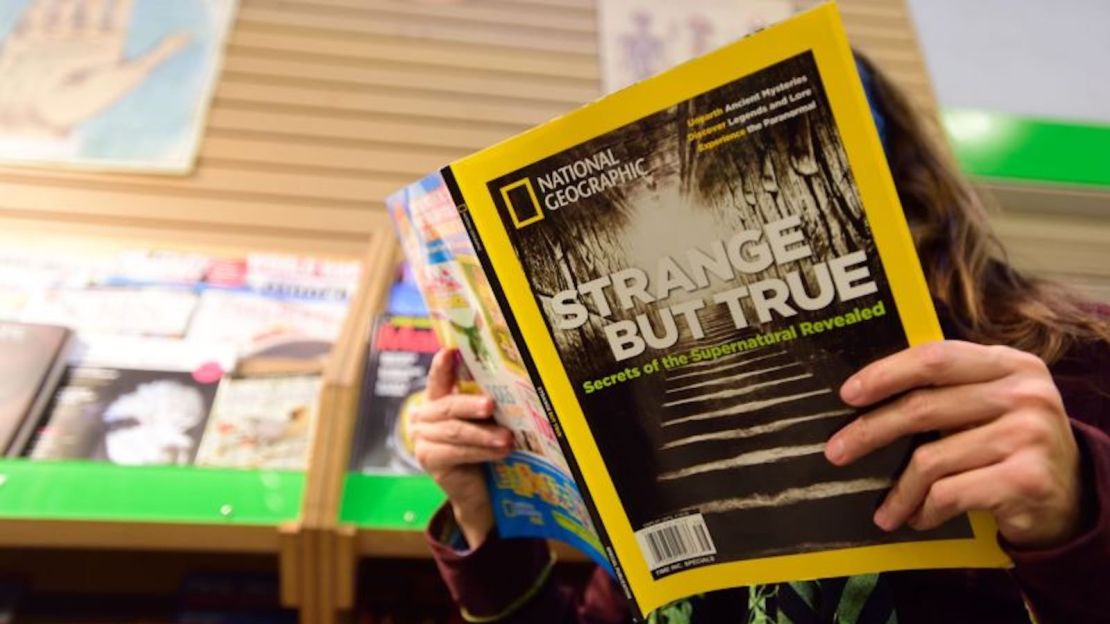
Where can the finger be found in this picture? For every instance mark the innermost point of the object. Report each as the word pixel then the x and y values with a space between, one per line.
pixel 89 15
pixel 35 16
pixel 984 489
pixel 961 452
pixel 927 409
pixel 65 16
pixel 455 406
pixel 949 362
pixel 436 456
pixel 463 433
pixel 117 16
pixel 159 54
pixel 441 375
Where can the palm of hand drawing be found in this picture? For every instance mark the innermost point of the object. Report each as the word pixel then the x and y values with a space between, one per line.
pixel 64 63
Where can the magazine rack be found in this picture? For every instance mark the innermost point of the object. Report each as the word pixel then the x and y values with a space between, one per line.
pixel 75 506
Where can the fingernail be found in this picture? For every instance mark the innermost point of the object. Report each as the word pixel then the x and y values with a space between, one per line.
pixel 852 390
pixel 834 450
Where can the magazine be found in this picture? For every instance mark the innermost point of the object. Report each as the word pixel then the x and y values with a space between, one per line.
pixel 401 351
pixel 261 325
pixel 161 312
pixel 129 90
pixel 264 422
pixel 32 360
pixel 686 272
pixel 132 401
pixel 532 491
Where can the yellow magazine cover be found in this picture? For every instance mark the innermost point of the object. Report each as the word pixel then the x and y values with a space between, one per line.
pixel 690 268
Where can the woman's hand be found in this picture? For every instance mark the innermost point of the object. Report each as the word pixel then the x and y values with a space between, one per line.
pixel 452 436
pixel 1009 447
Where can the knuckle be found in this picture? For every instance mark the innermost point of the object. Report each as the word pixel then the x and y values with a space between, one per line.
pixel 943 498
pixel 925 461
pixel 454 431
pixel 1032 391
pixel 421 453
pixel 935 357
pixel 862 432
pixel 1033 429
pixel 919 407
pixel 1030 480
pixel 1000 355
pixel 451 409
pixel 1027 361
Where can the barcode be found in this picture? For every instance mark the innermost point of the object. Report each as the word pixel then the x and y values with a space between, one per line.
pixel 675 540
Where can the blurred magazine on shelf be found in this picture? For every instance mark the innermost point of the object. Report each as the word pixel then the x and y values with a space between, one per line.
pixel 401 351
pixel 156 312
pixel 302 278
pixel 404 296
pixel 130 89
pixel 256 324
pixel 164 268
pixel 261 422
pixel 132 401
pixel 27 272
pixel 32 359
pixel 663 292
pixel 268 275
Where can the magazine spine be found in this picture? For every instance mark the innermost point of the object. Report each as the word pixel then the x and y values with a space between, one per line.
pixel 530 366
pixel 49 386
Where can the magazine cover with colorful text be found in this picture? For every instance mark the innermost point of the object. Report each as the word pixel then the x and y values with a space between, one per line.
pixel 532 490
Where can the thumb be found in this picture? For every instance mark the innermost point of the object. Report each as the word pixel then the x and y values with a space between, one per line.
pixel 441 375
pixel 159 54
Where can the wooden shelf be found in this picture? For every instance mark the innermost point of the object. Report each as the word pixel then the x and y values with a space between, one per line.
pixel 135 536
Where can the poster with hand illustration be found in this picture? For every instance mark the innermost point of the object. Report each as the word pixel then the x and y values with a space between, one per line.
pixel 108 84
pixel 640 38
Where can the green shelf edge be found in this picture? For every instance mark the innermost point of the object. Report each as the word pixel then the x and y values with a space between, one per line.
pixel 996 145
pixel 95 491
pixel 388 502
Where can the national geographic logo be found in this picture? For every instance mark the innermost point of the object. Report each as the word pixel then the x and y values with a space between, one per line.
pixel 522 203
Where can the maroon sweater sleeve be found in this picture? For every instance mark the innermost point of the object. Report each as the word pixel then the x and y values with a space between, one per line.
pixel 510 582
pixel 1069 583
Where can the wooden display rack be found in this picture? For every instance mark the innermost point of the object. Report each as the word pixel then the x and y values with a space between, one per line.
pixel 78 508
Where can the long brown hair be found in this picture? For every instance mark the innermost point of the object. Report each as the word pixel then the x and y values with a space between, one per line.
pixel 988 300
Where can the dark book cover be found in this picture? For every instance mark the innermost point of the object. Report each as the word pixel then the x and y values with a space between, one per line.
pixel 32 358
pixel 401 352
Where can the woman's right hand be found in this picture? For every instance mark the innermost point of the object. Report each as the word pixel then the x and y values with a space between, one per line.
pixel 453 435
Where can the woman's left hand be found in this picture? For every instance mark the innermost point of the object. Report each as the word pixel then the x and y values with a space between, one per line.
pixel 1008 449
